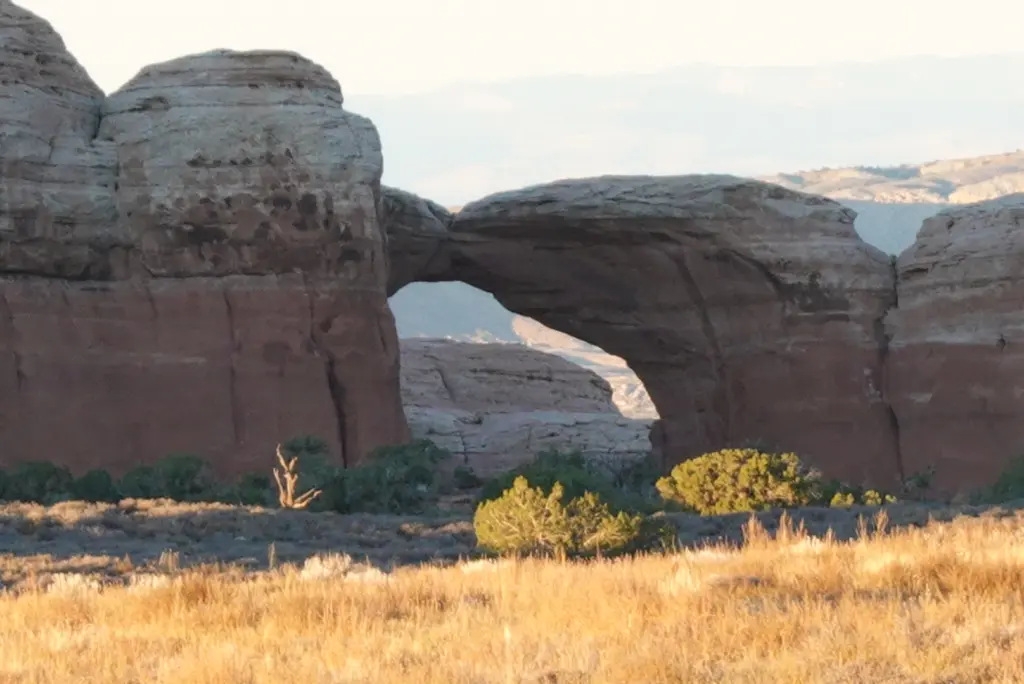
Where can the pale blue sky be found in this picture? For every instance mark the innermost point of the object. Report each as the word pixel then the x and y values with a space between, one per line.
pixel 402 46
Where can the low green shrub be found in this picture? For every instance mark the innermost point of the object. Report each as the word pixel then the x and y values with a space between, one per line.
pixel 97 486
pixel 634 482
pixel 182 477
pixel 37 482
pixel 869 497
pixel 1009 486
pixel 743 480
pixel 252 489
pixel 525 520
pixel 141 482
pixel 319 471
pixel 634 474
pixel 836 494
pixel 918 485
pixel 873 497
pixel 833 489
pixel 463 477
pixel 740 480
pixel 186 477
pixel 394 479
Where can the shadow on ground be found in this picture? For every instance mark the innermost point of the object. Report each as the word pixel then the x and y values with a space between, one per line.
pixel 112 539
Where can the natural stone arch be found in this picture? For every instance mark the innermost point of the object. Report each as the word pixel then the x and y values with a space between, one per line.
pixel 748 311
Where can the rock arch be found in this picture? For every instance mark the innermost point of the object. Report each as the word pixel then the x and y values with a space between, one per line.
pixel 179 276
pixel 749 311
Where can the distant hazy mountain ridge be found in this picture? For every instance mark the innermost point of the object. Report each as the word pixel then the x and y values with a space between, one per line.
pixel 952 181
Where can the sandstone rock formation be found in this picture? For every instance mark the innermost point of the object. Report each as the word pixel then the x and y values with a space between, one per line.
pixel 194 263
pixel 198 263
pixel 748 311
pixel 415 229
pixel 628 393
pixel 496 406
pixel 957 344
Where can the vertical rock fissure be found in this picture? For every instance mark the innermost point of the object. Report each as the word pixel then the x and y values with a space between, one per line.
pixel 446 382
pixel 19 371
pixel 151 301
pixel 236 409
pixel 722 400
pixel 337 392
pixel 335 388
pixel 882 343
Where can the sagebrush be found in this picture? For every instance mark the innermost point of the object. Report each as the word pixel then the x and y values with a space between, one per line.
pixel 740 480
pixel 526 520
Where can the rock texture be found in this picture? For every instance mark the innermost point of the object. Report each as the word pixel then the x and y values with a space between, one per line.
pixel 748 311
pixel 194 263
pixel 201 262
pixel 628 393
pixel 416 229
pixel 957 344
pixel 497 405
pixel 57 196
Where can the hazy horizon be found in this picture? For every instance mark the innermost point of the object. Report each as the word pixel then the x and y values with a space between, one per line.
pixel 403 46
pixel 664 100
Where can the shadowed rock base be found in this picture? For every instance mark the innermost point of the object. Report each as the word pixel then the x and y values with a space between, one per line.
pixel 112 375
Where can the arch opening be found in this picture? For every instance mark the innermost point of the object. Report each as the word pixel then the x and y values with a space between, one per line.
pixel 496 388
pixel 461 312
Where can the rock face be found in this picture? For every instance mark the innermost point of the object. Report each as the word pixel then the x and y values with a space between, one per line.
pixel 956 353
pixel 495 406
pixel 750 312
pixel 193 264
pixel 415 229
pixel 628 394
pixel 201 262
pixel 56 200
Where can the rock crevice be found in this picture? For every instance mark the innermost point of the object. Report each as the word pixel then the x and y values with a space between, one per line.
pixel 883 340
pixel 237 403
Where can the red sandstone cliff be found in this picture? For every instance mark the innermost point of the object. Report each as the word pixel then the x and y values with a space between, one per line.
pixel 194 263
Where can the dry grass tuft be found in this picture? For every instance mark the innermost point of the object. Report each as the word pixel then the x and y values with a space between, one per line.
pixel 943 602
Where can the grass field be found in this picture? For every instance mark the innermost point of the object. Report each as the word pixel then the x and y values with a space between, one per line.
pixel 160 592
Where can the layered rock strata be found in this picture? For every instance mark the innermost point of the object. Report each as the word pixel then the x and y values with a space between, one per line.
pixel 192 264
pixel 496 406
pixel 200 262
pixel 956 346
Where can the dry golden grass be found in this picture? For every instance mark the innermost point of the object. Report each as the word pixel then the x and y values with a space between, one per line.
pixel 939 604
